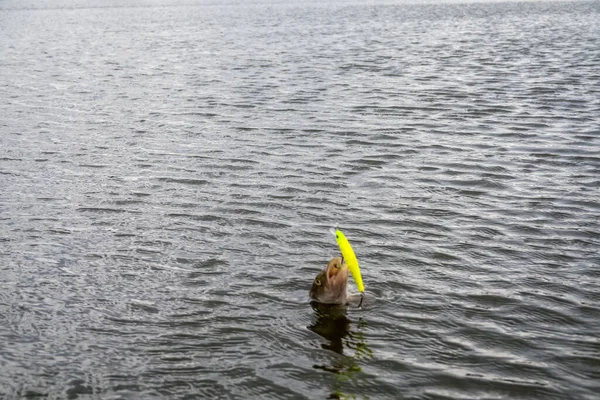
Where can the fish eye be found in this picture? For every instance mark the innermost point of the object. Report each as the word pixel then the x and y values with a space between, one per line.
pixel 318 282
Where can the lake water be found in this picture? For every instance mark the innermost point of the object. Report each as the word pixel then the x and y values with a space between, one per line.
pixel 170 170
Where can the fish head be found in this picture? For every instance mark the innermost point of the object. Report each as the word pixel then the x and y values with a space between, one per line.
pixel 330 285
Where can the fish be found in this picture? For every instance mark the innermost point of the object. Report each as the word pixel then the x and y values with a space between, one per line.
pixel 330 285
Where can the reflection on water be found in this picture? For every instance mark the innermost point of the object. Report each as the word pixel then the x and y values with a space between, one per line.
pixel 345 338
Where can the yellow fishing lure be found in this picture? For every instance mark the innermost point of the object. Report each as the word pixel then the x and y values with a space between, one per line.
pixel 350 259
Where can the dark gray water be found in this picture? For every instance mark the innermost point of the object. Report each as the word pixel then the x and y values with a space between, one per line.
pixel 169 173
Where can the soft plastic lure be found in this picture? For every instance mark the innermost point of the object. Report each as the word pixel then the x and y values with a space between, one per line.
pixel 350 259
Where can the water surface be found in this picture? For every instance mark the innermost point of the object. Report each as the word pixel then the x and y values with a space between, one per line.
pixel 170 170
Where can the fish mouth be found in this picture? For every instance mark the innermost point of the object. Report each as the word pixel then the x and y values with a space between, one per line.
pixel 337 271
